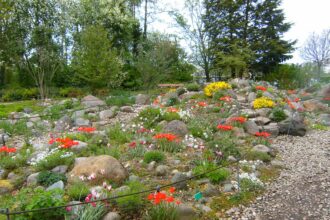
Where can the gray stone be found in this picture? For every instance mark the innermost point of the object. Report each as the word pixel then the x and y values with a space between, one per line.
pixel 228 187
pixel 162 170
pixel 262 120
pixel 142 99
pixel 268 94
pixel 179 177
pixel 2 173
pixel 27 110
pixel 127 109
pixel 32 179
pixel 210 190
pixel 186 212
pixel 261 148
pixel 251 127
pixel 78 114
pixel 292 127
pixel 3 138
pixel 81 145
pixel 249 113
pixel 252 96
pixel 231 159
pixel 239 132
pixel 271 128
pixel 189 95
pixel 57 185
pixel 325 119
pixel 133 178
pixel 12 176
pixel 60 169
pixel 151 165
pixel 92 101
pixel 168 96
pixel 81 122
pixel 112 216
pixel 108 114
pixel 264 112
pixel 29 124
pixel 204 208
pixel 277 163
pixel 241 98
pixel 176 127
pixel 63 124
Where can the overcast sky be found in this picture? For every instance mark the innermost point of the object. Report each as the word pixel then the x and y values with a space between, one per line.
pixel 307 16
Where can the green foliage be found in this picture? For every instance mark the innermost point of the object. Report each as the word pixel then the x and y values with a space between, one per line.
pixel 248 185
pixel 170 116
pixel 71 92
pixel 200 127
pixel 219 94
pixel 217 176
pixel 54 160
pixel 12 163
pixel 55 112
pixel 156 156
pixel 120 100
pixel 162 211
pixel 226 145
pixel 87 212
pixel 150 116
pixel 168 146
pixel 278 114
pixel 117 135
pixel 320 127
pixel 19 94
pixel 95 61
pixel 131 204
pixel 19 128
pixel 180 91
pixel 28 199
pixel 256 155
pixel 193 87
pixel 78 191
pixel 259 94
pixel 47 178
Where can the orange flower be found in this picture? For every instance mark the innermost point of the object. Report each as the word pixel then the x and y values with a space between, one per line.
pixel 172 109
pixel 7 149
pixel 86 129
pixel 202 104
pixel 172 189
pixel 262 134
pixel 225 98
pixel 170 199
pixel 167 136
pixel 225 127
pixel 238 119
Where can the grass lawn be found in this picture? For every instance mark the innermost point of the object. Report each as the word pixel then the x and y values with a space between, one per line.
pixel 7 108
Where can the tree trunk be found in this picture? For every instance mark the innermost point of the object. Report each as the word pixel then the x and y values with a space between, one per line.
pixel 145 19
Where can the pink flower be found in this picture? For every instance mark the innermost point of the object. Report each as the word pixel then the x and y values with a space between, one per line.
pixel 93 204
pixel 68 209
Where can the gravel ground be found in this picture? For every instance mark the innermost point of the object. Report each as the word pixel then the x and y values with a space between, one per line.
pixel 302 190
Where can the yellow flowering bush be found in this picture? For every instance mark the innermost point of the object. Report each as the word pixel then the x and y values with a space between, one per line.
pixel 263 102
pixel 211 88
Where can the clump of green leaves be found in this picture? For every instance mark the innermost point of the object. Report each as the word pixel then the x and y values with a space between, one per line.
pixel 256 155
pixel 171 116
pixel 193 87
pixel 156 156
pixel 54 160
pixel 150 117
pixel 118 135
pixel 226 145
pixel 120 100
pixel 168 146
pixel 180 91
pixel 47 178
pixel 78 191
pixel 278 114
pixel 217 176
pixel 162 211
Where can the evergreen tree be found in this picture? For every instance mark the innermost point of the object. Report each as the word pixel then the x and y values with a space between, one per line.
pixel 246 35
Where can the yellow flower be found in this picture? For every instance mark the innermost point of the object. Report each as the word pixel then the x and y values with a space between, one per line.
pixel 211 88
pixel 263 102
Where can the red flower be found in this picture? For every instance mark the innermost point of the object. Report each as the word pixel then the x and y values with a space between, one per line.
pixel 172 189
pixel 297 99
pixel 202 104
pixel 7 149
pixel 326 98
pixel 151 196
pixel 178 202
pixel 132 144
pixel 142 130
pixel 290 104
pixel 93 204
pixel 261 88
pixel 68 209
pixel 170 199
pixel 86 129
pixel 167 136
pixel 238 119
pixel 172 109
pixel 225 127
pixel 262 134
pixel 51 141
pixel 225 98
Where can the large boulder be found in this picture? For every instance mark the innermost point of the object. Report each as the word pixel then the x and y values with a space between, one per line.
pixel 292 126
pixel 271 128
pixel 81 122
pixel 176 127
pixel 112 216
pixel 108 114
pixel 103 167
pixel 142 99
pixel 251 127
pixel 32 179
pixel 314 105
pixel 92 101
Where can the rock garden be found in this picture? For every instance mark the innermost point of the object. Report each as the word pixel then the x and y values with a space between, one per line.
pixel 194 152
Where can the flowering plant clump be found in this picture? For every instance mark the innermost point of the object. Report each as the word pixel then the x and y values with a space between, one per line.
pixel 202 104
pixel 240 120
pixel 191 141
pixel 225 99
pixel 261 88
pixel 262 134
pixel 225 127
pixel 166 136
pixel 263 102
pixel 211 88
pixel 86 129
pixel 63 142
pixel 172 109
pixel 159 197
pixel 7 149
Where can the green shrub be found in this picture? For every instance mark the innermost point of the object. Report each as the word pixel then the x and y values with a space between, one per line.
pixel 156 156
pixel 170 116
pixel 19 94
pixel 88 212
pixel 259 94
pixel 47 178
pixel 193 87
pixel 163 211
pixel 132 204
pixel 120 100
pixel 55 112
pixel 71 92
pixel 172 101
pixel 278 114
pixel 19 128
pixel 150 117
pixel 168 146
pixel 78 191
pixel 117 135
pixel 217 176
pixel 256 155
pixel 180 91
pixel 54 160
pixel 226 145
pixel 248 185
pixel 12 163
pixel 219 94
pixel 28 199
